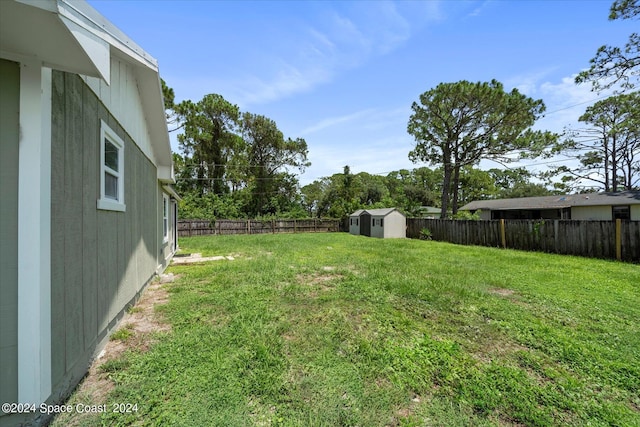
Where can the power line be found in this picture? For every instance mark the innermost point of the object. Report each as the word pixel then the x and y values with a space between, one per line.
pixel 576 105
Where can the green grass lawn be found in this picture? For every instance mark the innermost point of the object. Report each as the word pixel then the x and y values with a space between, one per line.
pixel 341 330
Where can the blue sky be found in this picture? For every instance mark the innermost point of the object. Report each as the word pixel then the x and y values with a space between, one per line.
pixel 343 75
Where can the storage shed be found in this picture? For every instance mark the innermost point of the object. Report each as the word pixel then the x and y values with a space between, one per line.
pixel 384 223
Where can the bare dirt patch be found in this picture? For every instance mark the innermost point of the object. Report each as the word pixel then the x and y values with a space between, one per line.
pixel 319 282
pixel 140 321
pixel 497 350
pixel 320 279
pixel 502 292
pixel 406 412
pixel 197 258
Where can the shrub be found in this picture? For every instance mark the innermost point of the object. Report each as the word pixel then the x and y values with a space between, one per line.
pixel 425 234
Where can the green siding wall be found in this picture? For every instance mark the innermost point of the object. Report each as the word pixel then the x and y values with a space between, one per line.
pixel 100 259
pixel 9 138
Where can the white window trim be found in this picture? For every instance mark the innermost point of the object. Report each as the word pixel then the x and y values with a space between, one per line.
pixel 106 203
pixel 165 218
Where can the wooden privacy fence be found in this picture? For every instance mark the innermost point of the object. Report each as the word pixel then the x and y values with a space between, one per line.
pixel 199 227
pixel 594 239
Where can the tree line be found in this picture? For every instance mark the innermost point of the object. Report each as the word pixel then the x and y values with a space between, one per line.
pixel 233 164
pixel 238 165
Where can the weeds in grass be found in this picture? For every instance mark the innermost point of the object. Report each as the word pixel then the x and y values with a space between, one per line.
pixel 334 329
pixel 134 309
pixel 122 334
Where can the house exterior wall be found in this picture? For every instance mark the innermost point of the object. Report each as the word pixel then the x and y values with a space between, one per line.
pixel 9 156
pixel 485 215
pixel 100 259
pixel 593 213
pixel 122 99
pixel 395 225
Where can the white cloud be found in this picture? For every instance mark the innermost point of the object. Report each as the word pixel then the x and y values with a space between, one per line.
pixel 333 121
pixel 374 141
pixel 372 153
pixel 528 83
pixel 315 53
pixel 368 120
pixel 288 80
pixel 478 10
pixel 385 26
pixel 565 100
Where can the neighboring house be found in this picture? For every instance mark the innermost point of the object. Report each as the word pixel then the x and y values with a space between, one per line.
pixel 430 212
pixel 384 223
pixel 597 206
pixel 87 214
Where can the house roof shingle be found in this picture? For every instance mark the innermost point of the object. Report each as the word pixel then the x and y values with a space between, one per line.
pixel 557 202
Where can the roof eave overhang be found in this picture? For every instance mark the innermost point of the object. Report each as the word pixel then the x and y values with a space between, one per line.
pixel 71 36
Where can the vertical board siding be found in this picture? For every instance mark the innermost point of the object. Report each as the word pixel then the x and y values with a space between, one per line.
pixel 91 191
pixel 100 259
pixel 58 123
pixel 122 99
pixel 594 239
pixel 72 221
pixel 9 156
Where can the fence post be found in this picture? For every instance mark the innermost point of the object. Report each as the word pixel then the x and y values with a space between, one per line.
pixel 273 226
pixel 503 236
pixel 619 239
pixel 190 223
pixel 248 226
pixel 294 226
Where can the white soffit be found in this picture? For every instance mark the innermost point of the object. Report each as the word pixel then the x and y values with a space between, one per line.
pixel 96 49
pixel 30 30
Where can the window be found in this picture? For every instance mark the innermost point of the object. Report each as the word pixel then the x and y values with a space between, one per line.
pixel 111 170
pixel 165 218
pixel 621 212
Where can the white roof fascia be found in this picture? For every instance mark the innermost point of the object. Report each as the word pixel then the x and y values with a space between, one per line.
pixel 166 174
pixel 96 26
pixel 171 191
pixel 91 21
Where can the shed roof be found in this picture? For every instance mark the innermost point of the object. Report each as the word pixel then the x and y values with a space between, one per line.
pixel 557 202
pixel 375 212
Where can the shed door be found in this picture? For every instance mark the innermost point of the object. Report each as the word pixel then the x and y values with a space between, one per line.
pixel 365 224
